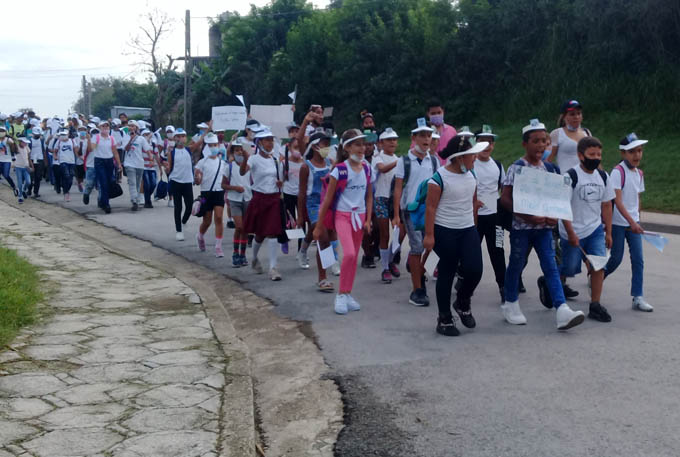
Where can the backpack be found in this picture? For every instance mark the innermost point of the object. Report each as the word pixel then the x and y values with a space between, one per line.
pixel 407 171
pixel 343 173
pixel 416 209
pixel 622 172
pixel 550 168
pixel 574 177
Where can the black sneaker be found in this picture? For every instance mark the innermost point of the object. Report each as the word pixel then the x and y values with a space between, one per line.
pixel 522 289
pixel 148 205
pixel 135 207
pixel 16 192
pixel 396 259
pixel 419 298
pixel 462 307
pixel 544 293
pixel 599 313
pixel 569 292
pixel 107 209
pixel 367 262
pixel 86 199
pixel 447 327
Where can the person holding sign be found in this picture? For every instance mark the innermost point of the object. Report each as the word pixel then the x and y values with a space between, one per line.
pixel 450 231
pixel 530 230
pixel 591 197
pixel 629 183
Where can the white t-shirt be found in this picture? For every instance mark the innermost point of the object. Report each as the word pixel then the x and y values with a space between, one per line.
pixel 21 157
pixel 419 173
pixel 5 150
pixel 121 138
pixel 263 171
pixel 292 184
pixel 383 181
pixel 353 198
pixel 586 202
pixel 67 151
pixel 134 157
pixel 103 149
pixel 488 175
pixel 36 150
pixel 182 168
pixel 209 168
pixel 633 186
pixel 567 155
pixel 235 179
pixel 455 209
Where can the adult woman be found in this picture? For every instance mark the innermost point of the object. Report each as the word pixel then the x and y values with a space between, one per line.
pixel 209 173
pixel 567 135
pixel 263 217
pixel 181 177
pixel 316 167
pixel 350 196
pixel 450 230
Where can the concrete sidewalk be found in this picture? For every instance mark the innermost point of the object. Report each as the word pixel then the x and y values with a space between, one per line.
pixel 127 360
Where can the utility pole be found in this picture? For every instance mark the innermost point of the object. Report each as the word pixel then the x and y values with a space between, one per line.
pixel 89 99
pixel 187 70
pixel 82 103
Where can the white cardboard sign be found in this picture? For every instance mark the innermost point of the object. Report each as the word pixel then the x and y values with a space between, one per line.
pixel 276 117
pixel 229 117
pixel 541 194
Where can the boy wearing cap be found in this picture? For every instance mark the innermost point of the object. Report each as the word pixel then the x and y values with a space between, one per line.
pixel 65 153
pixel 38 156
pixel 6 157
pixel 135 150
pixel 411 170
pixel 535 231
pixel 22 165
pixel 629 182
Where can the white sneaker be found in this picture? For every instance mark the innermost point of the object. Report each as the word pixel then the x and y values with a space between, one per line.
pixel 512 313
pixel 352 304
pixel 567 318
pixel 341 303
pixel 274 275
pixel 303 262
pixel 640 304
pixel 335 269
pixel 179 236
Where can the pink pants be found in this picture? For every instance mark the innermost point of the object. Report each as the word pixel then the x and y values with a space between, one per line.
pixel 350 239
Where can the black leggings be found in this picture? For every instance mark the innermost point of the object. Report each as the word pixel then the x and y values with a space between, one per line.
pixel 454 246
pixel 182 190
pixel 487 227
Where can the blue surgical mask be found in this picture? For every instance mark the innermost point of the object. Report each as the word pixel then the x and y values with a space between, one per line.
pixel 82 134
pixel 437 119
pixel 214 151
pixel 238 159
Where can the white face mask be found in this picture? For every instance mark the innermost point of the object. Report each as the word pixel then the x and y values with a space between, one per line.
pixel 356 158
pixel 420 150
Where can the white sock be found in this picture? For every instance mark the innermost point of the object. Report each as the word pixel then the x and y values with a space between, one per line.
pixel 385 258
pixel 218 242
pixel 304 247
pixel 273 252
pixel 256 249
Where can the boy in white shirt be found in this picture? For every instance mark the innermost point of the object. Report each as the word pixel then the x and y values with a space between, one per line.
pixel 629 182
pixel 591 197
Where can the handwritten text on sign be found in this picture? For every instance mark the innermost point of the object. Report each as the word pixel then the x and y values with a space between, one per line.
pixel 541 194
pixel 229 117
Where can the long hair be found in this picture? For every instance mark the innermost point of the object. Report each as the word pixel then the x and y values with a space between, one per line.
pixel 342 154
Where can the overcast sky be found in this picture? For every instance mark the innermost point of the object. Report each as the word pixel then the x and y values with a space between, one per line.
pixel 49 46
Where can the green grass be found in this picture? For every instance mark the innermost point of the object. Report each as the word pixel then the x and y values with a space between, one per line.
pixel 19 294
pixel 660 162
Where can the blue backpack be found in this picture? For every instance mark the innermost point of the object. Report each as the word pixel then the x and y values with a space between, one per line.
pixel 416 209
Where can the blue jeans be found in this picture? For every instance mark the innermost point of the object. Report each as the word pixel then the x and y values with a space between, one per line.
pixel 50 173
pixel 103 169
pixel 542 242
pixel 134 178
pixel 572 256
pixel 23 181
pixel 149 185
pixel 5 168
pixel 620 234
pixel 67 170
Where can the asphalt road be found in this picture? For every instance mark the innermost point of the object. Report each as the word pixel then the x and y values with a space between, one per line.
pixel 498 390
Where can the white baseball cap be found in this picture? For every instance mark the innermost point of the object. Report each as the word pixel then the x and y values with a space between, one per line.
pixel 631 141
pixel 387 134
pixel 202 125
pixel 422 126
pixel 476 149
pixel 210 138
pixel 534 124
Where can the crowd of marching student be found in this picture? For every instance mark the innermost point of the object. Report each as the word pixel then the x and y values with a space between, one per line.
pixel 447 195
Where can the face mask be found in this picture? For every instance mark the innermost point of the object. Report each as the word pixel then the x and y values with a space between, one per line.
pixel 201 132
pixel 463 168
pixel 171 143
pixel 323 152
pixel 3 134
pixel 437 119
pixel 356 158
pixel 238 159
pixel 82 134
pixel 573 129
pixel 420 150
pixel 214 151
pixel 590 164
pixel 170 135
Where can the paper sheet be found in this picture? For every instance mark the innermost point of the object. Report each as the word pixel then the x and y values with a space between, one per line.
pixel 395 240
pixel 229 117
pixel 327 257
pixel 542 194
pixel 655 239
pixel 490 201
pixel 431 263
pixel 295 234
pixel 598 262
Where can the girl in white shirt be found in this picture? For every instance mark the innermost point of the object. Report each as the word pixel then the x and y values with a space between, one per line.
pixel 209 173
pixel 352 204
pixel 450 230
pixel 180 176
pixel 263 217
pixel 292 164
pixel 238 196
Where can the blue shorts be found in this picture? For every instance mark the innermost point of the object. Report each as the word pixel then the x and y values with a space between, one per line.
pixel 313 204
pixel 382 208
pixel 572 256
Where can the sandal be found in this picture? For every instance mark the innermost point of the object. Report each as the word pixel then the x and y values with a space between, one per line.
pixel 325 286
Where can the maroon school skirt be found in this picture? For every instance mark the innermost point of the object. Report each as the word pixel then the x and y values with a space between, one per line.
pixel 263 216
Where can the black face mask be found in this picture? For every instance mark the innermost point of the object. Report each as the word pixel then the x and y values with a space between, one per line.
pixel 591 164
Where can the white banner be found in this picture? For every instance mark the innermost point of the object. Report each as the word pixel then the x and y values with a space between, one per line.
pixel 541 194
pixel 276 117
pixel 229 117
